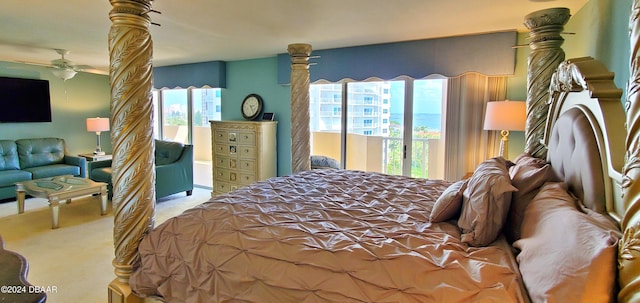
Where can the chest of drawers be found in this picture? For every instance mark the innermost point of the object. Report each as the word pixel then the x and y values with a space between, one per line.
pixel 243 152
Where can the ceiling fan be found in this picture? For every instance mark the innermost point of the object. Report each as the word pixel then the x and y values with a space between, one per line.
pixel 64 68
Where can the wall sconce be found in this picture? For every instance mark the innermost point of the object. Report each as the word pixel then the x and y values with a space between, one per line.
pixel 505 116
pixel 98 125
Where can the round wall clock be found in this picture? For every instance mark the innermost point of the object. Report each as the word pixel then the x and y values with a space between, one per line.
pixel 251 106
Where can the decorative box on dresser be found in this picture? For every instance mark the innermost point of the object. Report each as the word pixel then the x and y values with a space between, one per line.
pixel 243 152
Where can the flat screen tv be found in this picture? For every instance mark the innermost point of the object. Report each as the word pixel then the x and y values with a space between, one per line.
pixel 24 100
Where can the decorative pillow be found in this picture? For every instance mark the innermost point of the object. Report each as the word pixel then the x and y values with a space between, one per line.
pixel 449 203
pixel 566 255
pixel 486 202
pixel 527 175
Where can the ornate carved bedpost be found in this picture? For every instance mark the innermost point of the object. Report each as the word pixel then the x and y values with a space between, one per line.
pixel 545 28
pixel 300 132
pixel 133 178
pixel 629 247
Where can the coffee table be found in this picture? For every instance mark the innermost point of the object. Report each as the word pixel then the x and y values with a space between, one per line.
pixel 61 188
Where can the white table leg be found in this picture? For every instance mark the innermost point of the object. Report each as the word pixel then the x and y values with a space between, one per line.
pixel 54 214
pixel 103 204
pixel 20 194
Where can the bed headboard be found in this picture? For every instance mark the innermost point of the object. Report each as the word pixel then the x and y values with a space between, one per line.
pixel 586 147
pixel 591 156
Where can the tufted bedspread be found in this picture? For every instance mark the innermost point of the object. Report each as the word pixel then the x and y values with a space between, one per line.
pixel 322 236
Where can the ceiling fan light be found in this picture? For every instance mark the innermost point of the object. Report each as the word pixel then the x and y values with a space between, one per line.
pixel 64 73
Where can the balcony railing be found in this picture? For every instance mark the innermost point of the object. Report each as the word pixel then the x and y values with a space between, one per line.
pixel 392 149
pixel 383 154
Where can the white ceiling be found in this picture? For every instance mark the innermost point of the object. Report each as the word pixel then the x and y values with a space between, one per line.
pixel 205 30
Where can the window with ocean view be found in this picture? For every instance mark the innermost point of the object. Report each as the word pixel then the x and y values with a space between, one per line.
pixel 378 133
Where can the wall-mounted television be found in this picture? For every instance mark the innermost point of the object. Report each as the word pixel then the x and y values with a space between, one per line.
pixel 24 100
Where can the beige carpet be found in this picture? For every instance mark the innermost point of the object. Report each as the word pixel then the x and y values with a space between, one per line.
pixel 74 259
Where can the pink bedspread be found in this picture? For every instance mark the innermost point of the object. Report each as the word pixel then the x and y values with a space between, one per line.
pixel 321 236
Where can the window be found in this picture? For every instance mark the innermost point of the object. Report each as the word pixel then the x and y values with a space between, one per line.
pixel 382 127
pixel 183 115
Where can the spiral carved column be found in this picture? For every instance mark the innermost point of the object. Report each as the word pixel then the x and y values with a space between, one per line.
pixel 546 54
pixel 300 130
pixel 629 247
pixel 133 177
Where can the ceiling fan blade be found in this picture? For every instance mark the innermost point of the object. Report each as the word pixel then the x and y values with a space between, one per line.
pixel 90 69
pixel 63 63
pixel 34 63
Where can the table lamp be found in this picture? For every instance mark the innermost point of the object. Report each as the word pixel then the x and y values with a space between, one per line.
pixel 505 116
pixel 98 125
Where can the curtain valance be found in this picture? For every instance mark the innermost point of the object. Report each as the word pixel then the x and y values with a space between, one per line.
pixel 489 54
pixel 211 73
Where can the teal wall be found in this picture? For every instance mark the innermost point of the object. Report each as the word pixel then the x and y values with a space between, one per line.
pixel 72 101
pixel 517 91
pixel 601 28
pixel 259 76
pixel 601 32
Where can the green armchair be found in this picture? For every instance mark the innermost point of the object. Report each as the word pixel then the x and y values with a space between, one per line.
pixel 174 169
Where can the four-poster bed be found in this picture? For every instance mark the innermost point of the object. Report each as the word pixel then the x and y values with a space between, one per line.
pixel 347 236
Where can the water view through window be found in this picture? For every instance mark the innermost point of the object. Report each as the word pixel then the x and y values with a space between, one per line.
pixel 380 136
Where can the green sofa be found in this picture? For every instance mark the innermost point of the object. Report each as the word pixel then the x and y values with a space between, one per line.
pixel 174 169
pixel 27 159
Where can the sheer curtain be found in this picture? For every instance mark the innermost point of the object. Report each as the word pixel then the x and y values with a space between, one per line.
pixel 466 143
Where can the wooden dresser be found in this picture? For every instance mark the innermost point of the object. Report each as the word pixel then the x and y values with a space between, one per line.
pixel 243 152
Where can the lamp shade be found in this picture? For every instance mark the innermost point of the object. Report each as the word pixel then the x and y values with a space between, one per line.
pixel 97 124
pixel 505 115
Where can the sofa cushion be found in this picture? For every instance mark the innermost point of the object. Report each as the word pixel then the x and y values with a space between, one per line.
pixel 9 177
pixel 40 152
pixel 168 152
pixel 53 170
pixel 8 155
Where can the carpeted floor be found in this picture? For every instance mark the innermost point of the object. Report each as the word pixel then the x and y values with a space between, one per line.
pixel 74 259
